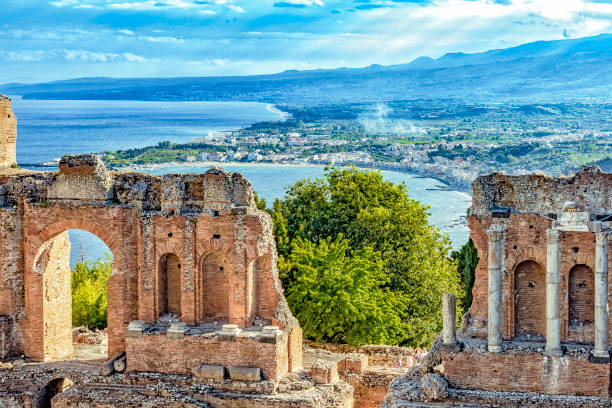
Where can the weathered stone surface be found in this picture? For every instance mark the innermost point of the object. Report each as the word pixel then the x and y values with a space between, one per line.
pixel 324 372
pixel 244 373
pixel 434 386
pixel 8 133
pixel 209 371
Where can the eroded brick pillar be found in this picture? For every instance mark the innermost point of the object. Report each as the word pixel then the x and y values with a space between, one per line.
pixel 553 293
pixel 496 250
pixel 601 295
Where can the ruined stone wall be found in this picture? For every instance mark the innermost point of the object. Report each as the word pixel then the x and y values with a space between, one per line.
pixel 142 218
pixel 526 372
pixel 179 356
pixel 537 194
pixel 8 133
pixel 525 241
pixel 370 387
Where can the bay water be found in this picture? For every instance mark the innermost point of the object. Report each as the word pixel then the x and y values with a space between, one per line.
pixel 49 129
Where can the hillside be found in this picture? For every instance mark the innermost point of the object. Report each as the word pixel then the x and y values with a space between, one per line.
pixel 544 70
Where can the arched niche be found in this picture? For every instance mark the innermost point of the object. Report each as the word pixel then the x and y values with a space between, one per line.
pixel 214 288
pixel 529 299
pixel 581 296
pixel 169 285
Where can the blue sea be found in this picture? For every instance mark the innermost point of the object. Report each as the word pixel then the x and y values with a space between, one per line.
pixel 49 129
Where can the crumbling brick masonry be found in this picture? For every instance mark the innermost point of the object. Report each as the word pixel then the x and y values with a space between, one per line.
pixel 537 331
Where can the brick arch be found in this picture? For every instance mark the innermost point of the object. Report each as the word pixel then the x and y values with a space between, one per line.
pixel 214 286
pixel 573 259
pixel 34 282
pixel 169 247
pixel 168 294
pixel 35 242
pixel 581 295
pixel 212 245
pixel 514 257
pixel 530 298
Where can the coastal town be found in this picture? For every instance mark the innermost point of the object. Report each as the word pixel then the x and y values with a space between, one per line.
pixel 450 144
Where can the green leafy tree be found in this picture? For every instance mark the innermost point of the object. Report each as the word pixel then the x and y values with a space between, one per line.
pixel 339 294
pixel 467 260
pixel 89 294
pixel 372 213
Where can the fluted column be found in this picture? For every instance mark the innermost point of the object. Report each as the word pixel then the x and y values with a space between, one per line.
pixel 553 293
pixel 496 249
pixel 601 295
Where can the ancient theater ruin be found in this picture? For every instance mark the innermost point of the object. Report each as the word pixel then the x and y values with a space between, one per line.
pixel 537 333
pixel 196 312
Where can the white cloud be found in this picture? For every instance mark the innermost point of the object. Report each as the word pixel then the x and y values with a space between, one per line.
pixel 72 55
pixel 304 2
pixel 237 9
pixel 172 40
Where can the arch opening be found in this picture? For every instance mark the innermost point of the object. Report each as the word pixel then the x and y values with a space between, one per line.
pixel 169 285
pixel 74 299
pixel 529 299
pixel 51 389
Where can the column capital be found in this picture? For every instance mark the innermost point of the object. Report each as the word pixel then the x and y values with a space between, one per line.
pixel 553 235
pixel 601 238
pixel 496 234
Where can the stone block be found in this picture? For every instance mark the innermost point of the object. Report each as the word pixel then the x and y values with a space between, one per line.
pixel 244 374
pixel 270 334
pixel 176 331
pixel 229 332
pixel 354 363
pixel 324 372
pixel 210 372
pixel 135 329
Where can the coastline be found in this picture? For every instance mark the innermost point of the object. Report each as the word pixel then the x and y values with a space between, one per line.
pixel 160 166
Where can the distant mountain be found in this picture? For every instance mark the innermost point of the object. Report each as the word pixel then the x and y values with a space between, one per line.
pixel 543 70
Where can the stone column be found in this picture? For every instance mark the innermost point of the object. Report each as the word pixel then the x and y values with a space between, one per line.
pixel 553 293
pixel 449 319
pixel 601 295
pixel 496 250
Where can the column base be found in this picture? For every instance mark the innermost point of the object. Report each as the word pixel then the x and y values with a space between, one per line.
pixel 494 349
pixel 456 347
pixel 554 352
pixel 600 356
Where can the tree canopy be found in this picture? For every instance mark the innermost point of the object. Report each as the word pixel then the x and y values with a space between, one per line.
pixel 368 218
pixel 89 293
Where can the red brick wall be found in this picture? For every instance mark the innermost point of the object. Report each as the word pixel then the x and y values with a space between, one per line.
pixel 525 240
pixel 529 372
pixel 178 356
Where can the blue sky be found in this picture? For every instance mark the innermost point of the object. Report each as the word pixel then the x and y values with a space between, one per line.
pixel 44 40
